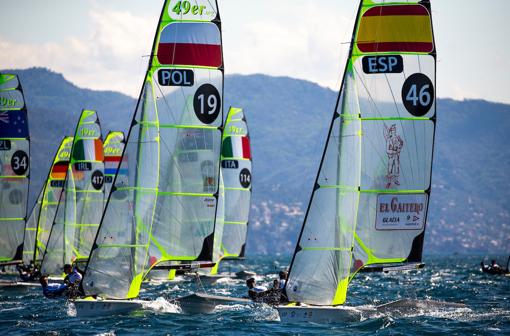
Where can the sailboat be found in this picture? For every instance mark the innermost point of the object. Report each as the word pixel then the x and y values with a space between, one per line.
pixel 41 217
pixel 235 187
pixel 81 202
pixel 14 170
pixel 370 200
pixel 173 150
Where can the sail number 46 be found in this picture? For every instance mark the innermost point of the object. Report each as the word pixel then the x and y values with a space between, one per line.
pixel 418 94
pixel 184 7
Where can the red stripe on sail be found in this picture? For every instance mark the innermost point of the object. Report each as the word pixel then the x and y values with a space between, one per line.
pixel 397 10
pixel 112 158
pixel 246 147
pixel 396 47
pixel 190 54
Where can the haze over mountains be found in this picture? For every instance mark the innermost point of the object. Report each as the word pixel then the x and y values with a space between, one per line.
pixel 288 120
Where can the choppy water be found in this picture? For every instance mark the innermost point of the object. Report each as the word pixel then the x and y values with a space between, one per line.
pixel 455 279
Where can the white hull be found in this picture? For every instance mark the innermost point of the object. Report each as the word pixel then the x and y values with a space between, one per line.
pixel 343 314
pixel 298 314
pixel 17 285
pixel 92 308
pixel 205 304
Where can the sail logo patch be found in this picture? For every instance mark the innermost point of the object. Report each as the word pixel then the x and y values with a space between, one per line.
pixel 401 212
pixel 176 77
pixel 229 164
pixel 383 64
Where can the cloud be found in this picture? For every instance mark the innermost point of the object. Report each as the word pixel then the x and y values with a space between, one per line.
pixel 108 58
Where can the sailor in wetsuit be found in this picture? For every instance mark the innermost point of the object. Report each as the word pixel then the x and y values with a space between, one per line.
pixel 52 291
pixel 254 291
pixel 73 279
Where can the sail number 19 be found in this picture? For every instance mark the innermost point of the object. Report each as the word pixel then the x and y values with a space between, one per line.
pixel 207 103
pixel 185 7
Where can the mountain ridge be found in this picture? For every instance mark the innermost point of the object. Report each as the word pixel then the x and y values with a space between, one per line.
pixel 288 120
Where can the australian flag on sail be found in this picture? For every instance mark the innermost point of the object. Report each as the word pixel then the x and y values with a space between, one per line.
pixel 192 44
pixel 13 124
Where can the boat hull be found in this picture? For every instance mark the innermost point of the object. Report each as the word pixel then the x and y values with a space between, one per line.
pixel 198 303
pixel 93 308
pixel 342 314
pixel 17 285
pixel 299 314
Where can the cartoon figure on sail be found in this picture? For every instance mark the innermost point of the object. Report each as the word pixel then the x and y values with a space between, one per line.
pixel 394 146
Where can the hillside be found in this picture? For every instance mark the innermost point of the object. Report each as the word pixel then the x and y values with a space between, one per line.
pixel 288 120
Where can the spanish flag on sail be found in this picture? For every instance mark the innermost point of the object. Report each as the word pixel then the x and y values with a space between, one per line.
pixel 395 28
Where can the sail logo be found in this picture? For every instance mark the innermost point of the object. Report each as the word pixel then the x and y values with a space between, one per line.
pixel 88 132
pixel 236 130
pixel 176 77
pixel 401 212
pixel 383 64
pixel 111 151
pixel 8 102
pixel 64 156
pixel 394 145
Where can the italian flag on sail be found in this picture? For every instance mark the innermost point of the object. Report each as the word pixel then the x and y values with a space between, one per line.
pixel 236 147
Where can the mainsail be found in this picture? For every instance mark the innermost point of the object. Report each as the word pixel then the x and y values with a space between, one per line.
pixel 14 168
pixel 236 171
pixel 82 201
pixel 370 200
pixel 41 218
pixel 113 147
pixel 173 150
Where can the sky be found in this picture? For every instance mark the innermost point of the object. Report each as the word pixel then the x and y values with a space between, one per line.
pixel 103 44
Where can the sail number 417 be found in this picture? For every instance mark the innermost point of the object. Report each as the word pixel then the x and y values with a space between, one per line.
pixel 184 7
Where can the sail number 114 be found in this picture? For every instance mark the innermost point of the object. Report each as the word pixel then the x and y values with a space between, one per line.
pixel 185 7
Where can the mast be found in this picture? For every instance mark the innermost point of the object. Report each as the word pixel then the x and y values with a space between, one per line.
pixel 370 198
pixel 173 148
pixel 14 168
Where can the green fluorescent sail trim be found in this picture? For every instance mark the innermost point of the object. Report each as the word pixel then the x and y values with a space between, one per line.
pixel 121 246
pixel 12 219
pixel 326 249
pixel 393 118
pixel 239 189
pixel 372 259
pixel 394 191
pixel 235 223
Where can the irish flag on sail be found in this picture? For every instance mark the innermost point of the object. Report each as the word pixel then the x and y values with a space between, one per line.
pixel 236 147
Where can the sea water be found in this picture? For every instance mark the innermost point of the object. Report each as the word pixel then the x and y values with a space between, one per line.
pixel 451 279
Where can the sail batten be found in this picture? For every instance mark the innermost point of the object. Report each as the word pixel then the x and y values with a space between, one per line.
pixel 371 195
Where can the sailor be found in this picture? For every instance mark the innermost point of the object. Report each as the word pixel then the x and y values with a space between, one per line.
pixel 254 291
pixel 54 290
pixel 283 279
pixel 73 277
pixel 494 266
pixel 28 273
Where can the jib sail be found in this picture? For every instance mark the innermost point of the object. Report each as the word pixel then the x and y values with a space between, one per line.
pixel 41 218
